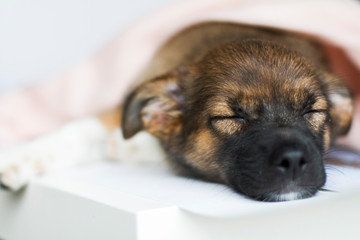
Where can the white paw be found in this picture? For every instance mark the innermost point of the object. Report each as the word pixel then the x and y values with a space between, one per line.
pixel 20 164
pixel 16 177
pixel 75 143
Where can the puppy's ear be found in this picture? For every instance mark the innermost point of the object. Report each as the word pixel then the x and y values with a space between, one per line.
pixel 342 104
pixel 155 106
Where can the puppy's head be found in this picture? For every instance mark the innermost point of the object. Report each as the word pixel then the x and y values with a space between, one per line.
pixel 251 114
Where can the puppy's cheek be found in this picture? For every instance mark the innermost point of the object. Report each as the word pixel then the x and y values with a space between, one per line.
pixel 201 154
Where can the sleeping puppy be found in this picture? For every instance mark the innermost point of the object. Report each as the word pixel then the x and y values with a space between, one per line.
pixel 251 107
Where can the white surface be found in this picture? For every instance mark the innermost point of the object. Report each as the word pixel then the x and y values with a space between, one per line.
pixel 112 201
pixel 207 199
pixel 59 210
pixel 41 38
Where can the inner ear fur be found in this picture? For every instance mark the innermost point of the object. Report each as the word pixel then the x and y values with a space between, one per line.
pixel 341 104
pixel 154 106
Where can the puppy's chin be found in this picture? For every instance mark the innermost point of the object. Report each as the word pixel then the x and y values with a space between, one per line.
pixel 287 196
pixel 294 190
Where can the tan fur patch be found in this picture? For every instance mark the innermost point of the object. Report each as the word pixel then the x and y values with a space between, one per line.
pixel 320 104
pixel 227 126
pixel 343 109
pixel 205 145
pixel 111 119
pixel 220 108
pixel 316 120
pixel 326 138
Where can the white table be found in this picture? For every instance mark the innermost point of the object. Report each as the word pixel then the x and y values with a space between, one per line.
pixel 112 201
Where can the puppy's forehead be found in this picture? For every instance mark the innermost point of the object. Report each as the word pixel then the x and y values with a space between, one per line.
pixel 253 71
pixel 268 89
pixel 250 95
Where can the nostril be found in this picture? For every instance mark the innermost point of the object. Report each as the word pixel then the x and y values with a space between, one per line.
pixel 285 163
pixel 291 163
pixel 302 162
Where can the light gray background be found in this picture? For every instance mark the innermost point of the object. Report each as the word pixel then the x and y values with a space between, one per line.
pixel 42 38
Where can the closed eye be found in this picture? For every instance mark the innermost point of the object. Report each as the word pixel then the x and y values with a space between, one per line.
pixel 216 118
pixel 319 105
pixel 309 113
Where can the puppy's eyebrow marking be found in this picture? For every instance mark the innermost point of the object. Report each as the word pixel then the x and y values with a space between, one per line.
pixel 227 125
pixel 320 104
pixel 219 106
pixel 317 120
pixel 221 109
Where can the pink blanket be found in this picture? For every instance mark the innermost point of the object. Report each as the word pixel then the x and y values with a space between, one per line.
pixel 100 82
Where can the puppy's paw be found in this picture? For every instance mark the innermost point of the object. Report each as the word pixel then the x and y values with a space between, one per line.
pixel 18 168
pixel 77 142
pixel 19 164
pixel 15 177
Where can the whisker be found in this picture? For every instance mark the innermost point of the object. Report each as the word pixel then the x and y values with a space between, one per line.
pixel 327 190
pixel 334 169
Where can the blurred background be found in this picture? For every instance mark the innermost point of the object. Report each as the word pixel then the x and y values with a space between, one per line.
pixel 40 38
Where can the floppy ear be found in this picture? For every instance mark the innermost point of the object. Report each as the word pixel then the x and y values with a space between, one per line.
pixel 154 106
pixel 342 104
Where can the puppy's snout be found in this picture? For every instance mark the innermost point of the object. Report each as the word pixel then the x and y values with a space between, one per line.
pixel 291 164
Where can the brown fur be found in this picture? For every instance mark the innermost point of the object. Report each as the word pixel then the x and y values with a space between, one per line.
pixel 213 81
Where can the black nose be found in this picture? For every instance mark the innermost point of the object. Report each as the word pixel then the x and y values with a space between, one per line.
pixel 291 164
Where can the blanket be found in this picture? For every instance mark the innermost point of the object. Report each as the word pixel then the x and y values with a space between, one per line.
pixel 100 82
